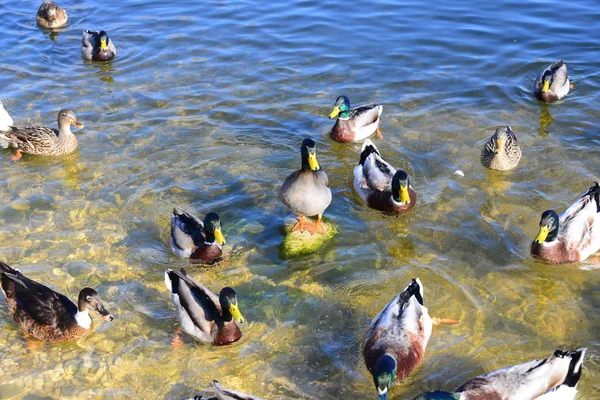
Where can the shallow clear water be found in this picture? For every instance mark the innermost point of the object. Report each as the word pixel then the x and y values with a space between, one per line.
pixel 205 107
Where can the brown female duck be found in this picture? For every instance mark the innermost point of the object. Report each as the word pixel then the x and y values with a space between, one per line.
pixel 46 314
pixel 201 314
pixel 51 15
pixel 501 152
pixel 380 185
pixel 190 238
pixel 44 141
pixel 574 235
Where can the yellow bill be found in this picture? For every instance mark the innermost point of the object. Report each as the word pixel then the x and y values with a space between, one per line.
pixel 335 112
pixel 499 144
pixel 235 313
pixel 103 45
pixel 542 235
pixel 313 163
pixel 545 86
pixel 404 195
pixel 219 236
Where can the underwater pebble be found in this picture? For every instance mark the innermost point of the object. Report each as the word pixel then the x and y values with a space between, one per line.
pixel 459 172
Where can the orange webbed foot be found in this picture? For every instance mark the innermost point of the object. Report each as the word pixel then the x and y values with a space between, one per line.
pixel 379 135
pixel 443 321
pixel 302 224
pixel 17 155
pixel 177 341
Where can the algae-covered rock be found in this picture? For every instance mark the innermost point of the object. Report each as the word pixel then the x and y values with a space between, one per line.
pixel 301 243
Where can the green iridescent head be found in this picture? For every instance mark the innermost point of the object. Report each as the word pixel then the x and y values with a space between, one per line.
pixel 341 109
pixel 384 375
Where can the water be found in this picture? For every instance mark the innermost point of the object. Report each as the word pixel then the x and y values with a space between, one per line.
pixel 205 107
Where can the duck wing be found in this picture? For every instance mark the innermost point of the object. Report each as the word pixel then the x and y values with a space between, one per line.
pixel 39 302
pixel 377 172
pixel 366 114
pixel 187 231
pixel 228 394
pixel 580 223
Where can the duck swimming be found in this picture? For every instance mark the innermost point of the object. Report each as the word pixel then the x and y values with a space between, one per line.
pixel 97 46
pixel 354 124
pixel 190 238
pixel 46 314
pixel 501 152
pixel 553 378
pixel 51 15
pixel 553 83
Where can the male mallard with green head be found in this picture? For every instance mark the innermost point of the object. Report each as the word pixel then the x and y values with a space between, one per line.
pixel 553 83
pixel 572 237
pixel 354 124
pixel 501 152
pixel 51 15
pixel 202 314
pixel 306 191
pixel 44 141
pixel 97 46
pixel 396 341
pixel 46 314
pixel 380 185
pixel 190 238
pixel 553 378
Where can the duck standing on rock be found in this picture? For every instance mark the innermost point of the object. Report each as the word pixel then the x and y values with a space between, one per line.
pixel 44 141
pixel 380 185
pixel 306 191
pixel 97 46
pixel 354 124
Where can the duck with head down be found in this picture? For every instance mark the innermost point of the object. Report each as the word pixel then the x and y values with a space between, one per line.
pixel 574 235
pixel 46 314
pixel 51 15
pixel 397 338
pixel 200 242
pixel 553 83
pixel 40 140
pixel 354 124
pixel 201 314
pixel 380 185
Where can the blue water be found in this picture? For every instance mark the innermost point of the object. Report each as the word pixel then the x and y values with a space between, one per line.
pixel 205 107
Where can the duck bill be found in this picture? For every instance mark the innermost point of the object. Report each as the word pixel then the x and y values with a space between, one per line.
pixel 236 314
pixel 313 163
pixel 103 45
pixel 545 86
pixel 404 195
pixel 78 124
pixel 335 112
pixel 499 144
pixel 542 235
pixel 104 313
pixel 219 236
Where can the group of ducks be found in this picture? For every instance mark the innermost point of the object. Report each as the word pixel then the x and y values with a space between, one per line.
pixel 397 338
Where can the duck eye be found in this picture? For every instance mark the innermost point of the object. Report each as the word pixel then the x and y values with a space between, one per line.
pixel 88 298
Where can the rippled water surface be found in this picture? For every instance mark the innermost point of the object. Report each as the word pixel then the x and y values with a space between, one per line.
pixel 205 107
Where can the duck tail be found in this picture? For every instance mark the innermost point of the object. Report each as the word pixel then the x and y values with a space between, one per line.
pixel 367 149
pixel 414 288
pixel 575 367
pixel 172 281
pixel 8 269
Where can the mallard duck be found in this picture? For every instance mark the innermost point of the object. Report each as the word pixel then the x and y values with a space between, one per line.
pixel 554 378
pixel 46 314
pixel 501 152
pixel 201 314
pixel 226 394
pixel 306 191
pixel 553 84
pixel 97 46
pixel 190 238
pixel 44 141
pixel 396 341
pixel 380 185
pixel 354 124
pixel 5 120
pixel 575 235
pixel 51 15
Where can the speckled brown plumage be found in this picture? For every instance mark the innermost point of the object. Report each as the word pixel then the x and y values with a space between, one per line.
pixel 46 141
pixel 501 152
pixel 51 15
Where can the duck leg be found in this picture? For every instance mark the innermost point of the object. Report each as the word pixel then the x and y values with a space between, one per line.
pixel 318 226
pixel 17 155
pixel 443 321
pixel 379 135
pixel 177 342
pixel 302 224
